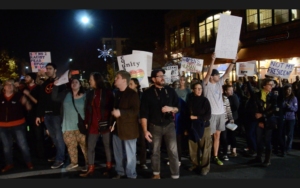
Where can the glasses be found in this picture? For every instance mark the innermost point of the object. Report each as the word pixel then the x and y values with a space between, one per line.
pixel 161 76
pixel 198 89
pixel 270 84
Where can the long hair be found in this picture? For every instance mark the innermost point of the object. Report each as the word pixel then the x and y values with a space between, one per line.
pixel 81 89
pixel 285 93
pixel 98 79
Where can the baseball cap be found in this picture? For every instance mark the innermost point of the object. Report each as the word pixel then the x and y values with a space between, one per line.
pixel 214 72
pixel 155 71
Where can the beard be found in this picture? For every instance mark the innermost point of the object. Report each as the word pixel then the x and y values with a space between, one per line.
pixel 161 83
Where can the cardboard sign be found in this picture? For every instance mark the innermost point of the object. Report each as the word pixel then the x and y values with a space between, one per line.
pixel 168 77
pixel 39 60
pixel 278 69
pixel 174 72
pixel 245 68
pixel 191 64
pixel 228 36
pixel 136 65
pixel 63 79
pixel 248 62
pixel 149 59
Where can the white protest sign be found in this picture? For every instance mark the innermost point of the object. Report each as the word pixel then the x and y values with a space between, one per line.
pixel 174 72
pixel 136 65
pixel 168 77
pixel 245 68
pixel 191 64
pixel 228 36
pixel 237 68
pixel 63 79
pixel 277 69
pixel 39 60
pixel 149 59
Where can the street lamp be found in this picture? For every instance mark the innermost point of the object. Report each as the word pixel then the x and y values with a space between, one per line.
pixel 26 67
pixel 85 20
pixel 70 60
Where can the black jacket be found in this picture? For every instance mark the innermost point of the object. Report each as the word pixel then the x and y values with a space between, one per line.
pixel 234 105
pixel 45 102
pixel 256 105
pixel 11 110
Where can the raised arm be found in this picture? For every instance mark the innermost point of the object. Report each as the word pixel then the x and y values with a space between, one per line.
pixel 209 71
pixel 229 69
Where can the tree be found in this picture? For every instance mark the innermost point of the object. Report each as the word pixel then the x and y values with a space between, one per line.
pixel 8 67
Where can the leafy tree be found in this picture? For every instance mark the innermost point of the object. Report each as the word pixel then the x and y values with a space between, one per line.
pixel 8 67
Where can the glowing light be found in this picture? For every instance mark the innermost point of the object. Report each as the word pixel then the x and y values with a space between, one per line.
pixel 85 20
pixel 70 60
pixel 105 53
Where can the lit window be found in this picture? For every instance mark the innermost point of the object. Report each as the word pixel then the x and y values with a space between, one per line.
pixel 182 38
pixel 172 41
pixel 265 18
pixel 295 14
pixel 187 36
pixel 176 41
pixel 252 20
pixel 281 16
pixel 202 32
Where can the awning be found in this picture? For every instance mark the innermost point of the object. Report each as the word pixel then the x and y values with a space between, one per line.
pixel 272 50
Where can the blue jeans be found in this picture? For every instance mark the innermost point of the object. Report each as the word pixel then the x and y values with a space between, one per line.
pixel 125 156
pixel 289 126
pixel 250 135
pixel 259 138
pixel 53 124
pixel 19 132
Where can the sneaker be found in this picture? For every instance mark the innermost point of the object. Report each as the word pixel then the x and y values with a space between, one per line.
pixel 192 168
pixel 233 154
pixel 217 160
pixel 246 149
pixel 225 158
pixel 85 168
pixel 144 166
pixel 30 166
pixel 52 159
pixel 156 177
pixel 57 164
pixel 7 167
pixel 228 151
pixel 204 173
pixel 71 166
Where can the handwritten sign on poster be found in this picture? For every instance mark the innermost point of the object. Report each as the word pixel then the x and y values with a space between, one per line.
pixel 149 59
pixel 247 62
pixel 191 64
pixel 136 65
pixel 228 36
pixel 277 69
pixel 39 60
pixel 245 68
pixel 168 77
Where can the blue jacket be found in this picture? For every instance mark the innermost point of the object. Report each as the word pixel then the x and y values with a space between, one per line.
pixel 181 118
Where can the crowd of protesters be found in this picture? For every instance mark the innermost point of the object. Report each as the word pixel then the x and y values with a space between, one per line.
pixel 196 116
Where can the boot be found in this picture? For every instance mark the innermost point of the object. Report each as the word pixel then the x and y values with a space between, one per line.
pixel 89 172
pixel 267 161
pixel 257 159
pixel 108 168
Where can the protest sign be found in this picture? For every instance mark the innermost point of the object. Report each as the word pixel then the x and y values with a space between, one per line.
pixel 136 65
pixel 237 68
pixel 245 68
pixel 39 60
pixel 63 79
pixel 149 59
pixel 228 36
pixel 278 69
pixel 191 64
pixel 174 72
pixel 168 77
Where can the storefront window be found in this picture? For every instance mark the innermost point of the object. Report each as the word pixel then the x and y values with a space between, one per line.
pixel 265 18
pixel 187 36
pixel 209 28
pixel 252 19
pixel 176 41
pixel 295 14
pixel 281 16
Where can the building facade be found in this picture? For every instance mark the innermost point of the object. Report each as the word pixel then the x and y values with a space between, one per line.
pixel 266 35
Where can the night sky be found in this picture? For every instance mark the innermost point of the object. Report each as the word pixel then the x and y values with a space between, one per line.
pixel 60 31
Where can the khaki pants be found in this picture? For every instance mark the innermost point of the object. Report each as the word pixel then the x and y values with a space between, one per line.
pixel 205 147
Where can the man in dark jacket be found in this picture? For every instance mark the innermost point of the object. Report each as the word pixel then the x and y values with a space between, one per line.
pixel 52 115
pixel 35 133
pixel 158 104
pixel 126 130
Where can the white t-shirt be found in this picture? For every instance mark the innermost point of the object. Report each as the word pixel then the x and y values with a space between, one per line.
pixel 213 92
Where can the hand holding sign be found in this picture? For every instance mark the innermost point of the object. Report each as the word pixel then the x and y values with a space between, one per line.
pixel 63 79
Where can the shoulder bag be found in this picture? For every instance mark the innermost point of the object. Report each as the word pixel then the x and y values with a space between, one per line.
pixel 80 124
